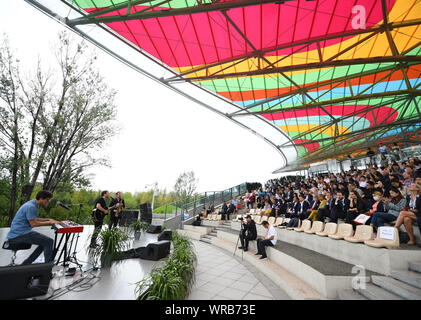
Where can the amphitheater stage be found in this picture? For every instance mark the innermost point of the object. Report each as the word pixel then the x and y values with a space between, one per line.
pixel 115 283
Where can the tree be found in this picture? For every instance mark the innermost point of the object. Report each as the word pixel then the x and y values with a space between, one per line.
pixel 185 186
pixel 53 125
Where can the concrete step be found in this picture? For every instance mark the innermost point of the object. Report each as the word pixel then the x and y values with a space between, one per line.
pixel 373 292
pixel 415 266
pixel 410 277
pixel 206 240
pixel 207 237
pixel 397 287
pixel 350 295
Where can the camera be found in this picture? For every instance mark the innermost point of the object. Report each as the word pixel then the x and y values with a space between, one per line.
pixel 241 218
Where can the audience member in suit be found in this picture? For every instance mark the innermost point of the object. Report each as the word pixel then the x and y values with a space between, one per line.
pixel 411 212
pixel 224 210
pixel 302 207
pixel 293 209
pixel 338 207
pixel 231 210
pixel 356 207
pixel 308 197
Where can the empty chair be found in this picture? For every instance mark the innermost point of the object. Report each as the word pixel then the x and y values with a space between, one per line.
pixel 271 220
pixel 286 220
pixel 251 211
pixel 386 237
pixel 344 230
pixel 278 221
pixel 316 227
pixel 257 218
pixel 264 218
pixel 330 228
pixel 305 225
pixel 362 233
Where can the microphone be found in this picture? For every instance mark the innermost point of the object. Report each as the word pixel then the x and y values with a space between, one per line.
pixel 63 205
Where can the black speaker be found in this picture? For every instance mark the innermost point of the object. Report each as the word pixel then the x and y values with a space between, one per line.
pixel 154 229
pixel 129 254
pixel 128 217
pixel 165 235
pixel 146 212
pixel 18 282
pixel 155 251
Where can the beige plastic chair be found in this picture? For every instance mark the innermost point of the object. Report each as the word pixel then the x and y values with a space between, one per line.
pixel 257 219
pixel 278 221
pixel 218 217
pixel 330 228
pixel 272 220
pixel 316 227
pixel 286 220
pixel 344 230
pixel 381 243
pixel 264 218
pixel 305 225
pixel 251 211
pixel 362 233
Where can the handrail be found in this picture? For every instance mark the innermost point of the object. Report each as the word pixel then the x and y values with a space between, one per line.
pixel 199 201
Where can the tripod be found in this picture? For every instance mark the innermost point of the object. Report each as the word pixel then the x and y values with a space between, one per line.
pixel 238 239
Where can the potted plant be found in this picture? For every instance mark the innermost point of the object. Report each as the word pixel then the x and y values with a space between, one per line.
pixel 138 226
pixel 112 241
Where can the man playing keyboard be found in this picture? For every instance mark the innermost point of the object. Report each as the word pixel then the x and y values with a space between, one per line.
pixel 27 218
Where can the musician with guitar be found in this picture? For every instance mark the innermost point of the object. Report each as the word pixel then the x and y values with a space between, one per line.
pixel 98 213
pixel 118 205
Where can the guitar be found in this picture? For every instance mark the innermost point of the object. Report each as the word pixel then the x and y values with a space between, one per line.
pixel 98 215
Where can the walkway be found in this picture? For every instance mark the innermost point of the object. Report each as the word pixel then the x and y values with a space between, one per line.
pixel 222 276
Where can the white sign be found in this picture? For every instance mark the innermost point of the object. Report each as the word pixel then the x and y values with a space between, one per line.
pixel 387 233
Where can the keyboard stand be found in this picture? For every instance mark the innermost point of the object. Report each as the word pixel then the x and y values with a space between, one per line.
pixel 63 251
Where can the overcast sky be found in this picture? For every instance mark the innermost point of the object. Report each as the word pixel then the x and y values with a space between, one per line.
pixel 163 133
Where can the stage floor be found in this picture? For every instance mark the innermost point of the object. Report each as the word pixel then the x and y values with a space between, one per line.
pixel 115 283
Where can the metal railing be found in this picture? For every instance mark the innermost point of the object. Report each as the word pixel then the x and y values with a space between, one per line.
pixel 195 204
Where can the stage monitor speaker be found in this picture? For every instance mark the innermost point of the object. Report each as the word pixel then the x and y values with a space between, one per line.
pixel 128 217
pixel 154 229
pixel 155 251
pixel 19 282
pixel 165 235
pixel 146 212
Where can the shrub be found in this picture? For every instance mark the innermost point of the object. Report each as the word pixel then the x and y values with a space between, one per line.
pixel 174 280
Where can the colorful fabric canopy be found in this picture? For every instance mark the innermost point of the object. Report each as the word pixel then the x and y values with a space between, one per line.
pixel 336 76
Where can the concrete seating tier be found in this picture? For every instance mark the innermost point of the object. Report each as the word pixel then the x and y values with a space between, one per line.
pixel 380 260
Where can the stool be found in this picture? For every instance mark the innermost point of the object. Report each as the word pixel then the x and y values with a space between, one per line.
pixel 15 247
